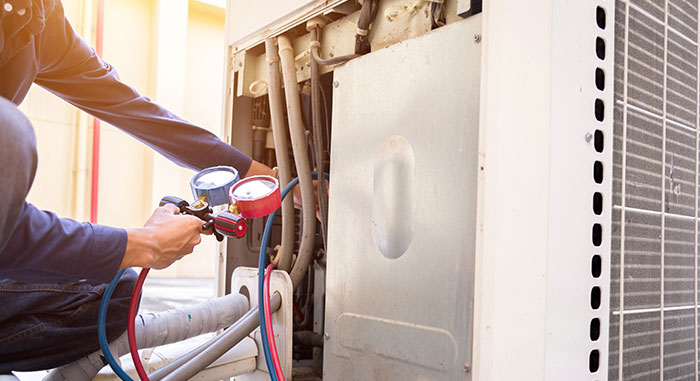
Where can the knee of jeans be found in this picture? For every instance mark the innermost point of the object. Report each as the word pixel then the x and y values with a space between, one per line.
pixel 17 135
pixel 126 284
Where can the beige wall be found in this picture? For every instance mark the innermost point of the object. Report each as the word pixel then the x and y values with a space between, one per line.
pixel 174 52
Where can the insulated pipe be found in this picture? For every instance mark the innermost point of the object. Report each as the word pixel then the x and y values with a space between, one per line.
pixel 301 158
pixel 318 134
pixel 230 338
pixel 279 131
pixel 155 329
pixel 184 359
pixel 316 56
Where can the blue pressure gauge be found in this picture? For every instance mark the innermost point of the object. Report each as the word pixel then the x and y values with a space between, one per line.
pixel 213 184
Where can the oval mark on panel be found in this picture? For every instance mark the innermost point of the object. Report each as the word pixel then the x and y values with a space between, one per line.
pixel 392 198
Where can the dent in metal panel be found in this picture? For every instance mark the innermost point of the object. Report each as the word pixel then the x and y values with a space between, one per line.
pixel 392 197
pixel 409 317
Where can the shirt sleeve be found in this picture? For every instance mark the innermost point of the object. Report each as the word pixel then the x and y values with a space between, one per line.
pixel 62 250
pixel 72 70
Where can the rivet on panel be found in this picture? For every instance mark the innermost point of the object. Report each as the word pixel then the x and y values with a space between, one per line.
pixel 477 38
pixel 336 84
pixel 589 137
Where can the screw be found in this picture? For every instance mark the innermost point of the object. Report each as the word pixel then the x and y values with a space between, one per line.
pixel 467 368
pixel 336 84
pixel 326 336
pixel 477 38
pixel 589 137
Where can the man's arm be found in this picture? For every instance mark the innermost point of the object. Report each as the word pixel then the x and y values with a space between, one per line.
pixel 72 70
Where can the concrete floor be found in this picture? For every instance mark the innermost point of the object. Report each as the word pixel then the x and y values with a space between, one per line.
pixel 160 294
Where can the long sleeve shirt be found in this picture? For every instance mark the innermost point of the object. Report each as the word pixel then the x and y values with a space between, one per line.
pixel 38 45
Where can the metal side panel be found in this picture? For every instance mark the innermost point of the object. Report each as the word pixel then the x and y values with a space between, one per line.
pixel 402 211
pixel 580 190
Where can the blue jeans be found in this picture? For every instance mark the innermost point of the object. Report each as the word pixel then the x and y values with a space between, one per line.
pixel 43 326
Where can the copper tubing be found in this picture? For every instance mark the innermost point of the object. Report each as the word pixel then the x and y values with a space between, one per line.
pixel 279 130
pixel 318 137
pixel 301 158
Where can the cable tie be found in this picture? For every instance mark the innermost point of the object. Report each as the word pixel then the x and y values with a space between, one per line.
pixel 272 59
pixel 313 44
pixel 361 32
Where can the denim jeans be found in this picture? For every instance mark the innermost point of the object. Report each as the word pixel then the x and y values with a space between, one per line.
pixel 43 326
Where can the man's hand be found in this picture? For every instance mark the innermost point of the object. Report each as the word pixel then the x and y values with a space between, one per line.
pixel 166 237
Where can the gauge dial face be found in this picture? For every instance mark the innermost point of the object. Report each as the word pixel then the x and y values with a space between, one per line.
pixel 252 190
pixel 214 179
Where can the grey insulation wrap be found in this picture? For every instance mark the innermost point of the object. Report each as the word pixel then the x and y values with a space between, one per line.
pixel 229 338
pixel 301 158
pixel 155 329
pixel 279 131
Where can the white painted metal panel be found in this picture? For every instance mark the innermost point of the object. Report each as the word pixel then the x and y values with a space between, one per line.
pixel 577 295
pixel 402 210
pixel 535 292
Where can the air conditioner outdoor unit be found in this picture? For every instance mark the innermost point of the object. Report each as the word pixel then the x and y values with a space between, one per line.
pixel 514 195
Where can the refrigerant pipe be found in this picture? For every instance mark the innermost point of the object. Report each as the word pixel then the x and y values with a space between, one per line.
pixel 315 28
pixel 279 131
pixel 231 337
pixel 301 158
pixel 155 329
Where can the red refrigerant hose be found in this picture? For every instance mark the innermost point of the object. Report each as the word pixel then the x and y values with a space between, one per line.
pixel 268 324
pixel 133 308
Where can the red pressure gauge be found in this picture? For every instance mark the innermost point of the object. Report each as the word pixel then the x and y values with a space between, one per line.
pixel 256 196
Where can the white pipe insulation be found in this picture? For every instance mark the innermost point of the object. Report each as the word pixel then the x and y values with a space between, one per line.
pixel 155 329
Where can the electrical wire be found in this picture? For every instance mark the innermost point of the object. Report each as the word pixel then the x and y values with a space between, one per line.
pixel 131 334
pixel 268 324
pixel 102 332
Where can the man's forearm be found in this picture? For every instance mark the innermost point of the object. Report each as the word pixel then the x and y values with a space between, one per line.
pixel 140 249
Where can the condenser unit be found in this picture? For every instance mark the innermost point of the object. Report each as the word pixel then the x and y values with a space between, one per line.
pixel 513 190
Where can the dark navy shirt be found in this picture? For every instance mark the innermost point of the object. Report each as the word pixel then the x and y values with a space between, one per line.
pixel 39 46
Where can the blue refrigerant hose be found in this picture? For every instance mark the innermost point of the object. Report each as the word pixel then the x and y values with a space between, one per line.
pixel 102 332
pixel 261 275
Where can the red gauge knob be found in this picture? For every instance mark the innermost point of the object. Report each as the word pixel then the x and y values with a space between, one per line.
pixel 256 196
pixel 230 225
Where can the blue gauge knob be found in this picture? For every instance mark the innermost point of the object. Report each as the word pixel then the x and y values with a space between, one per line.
pixel 213 184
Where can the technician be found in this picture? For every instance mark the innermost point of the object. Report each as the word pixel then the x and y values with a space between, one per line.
pixel 53 270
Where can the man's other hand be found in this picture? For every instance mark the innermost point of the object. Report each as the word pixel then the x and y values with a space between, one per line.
pixel 166 237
